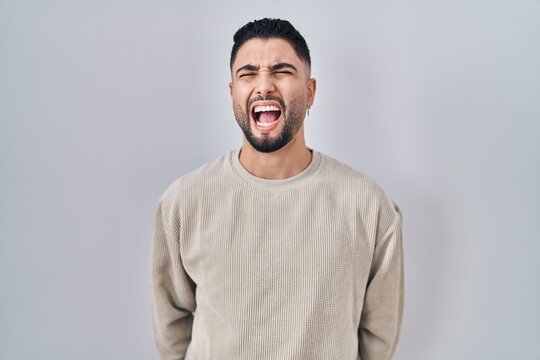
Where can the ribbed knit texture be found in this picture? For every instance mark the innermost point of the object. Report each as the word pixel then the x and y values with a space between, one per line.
pixel 307 268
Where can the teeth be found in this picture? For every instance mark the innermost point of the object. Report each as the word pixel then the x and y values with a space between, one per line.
pixel 266 108
pixel 261 124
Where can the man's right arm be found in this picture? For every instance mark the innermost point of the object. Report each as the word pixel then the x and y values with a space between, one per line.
pixel 173 292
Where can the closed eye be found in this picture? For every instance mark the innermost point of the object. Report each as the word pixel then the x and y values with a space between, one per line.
pixel 282 73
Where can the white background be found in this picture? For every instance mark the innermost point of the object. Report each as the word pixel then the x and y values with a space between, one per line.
pixel 104 103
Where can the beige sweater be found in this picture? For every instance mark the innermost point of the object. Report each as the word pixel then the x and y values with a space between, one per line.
pixel 308 267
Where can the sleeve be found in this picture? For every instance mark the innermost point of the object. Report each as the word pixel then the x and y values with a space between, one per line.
pixel 382 312
pixel 172 291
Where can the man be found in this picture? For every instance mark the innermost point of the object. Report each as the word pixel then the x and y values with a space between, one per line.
pixel 276 251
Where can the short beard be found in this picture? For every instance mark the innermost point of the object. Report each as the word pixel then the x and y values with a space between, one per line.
pixel 293 115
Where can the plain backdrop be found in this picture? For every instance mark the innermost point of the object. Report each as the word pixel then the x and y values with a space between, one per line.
pixel 104 103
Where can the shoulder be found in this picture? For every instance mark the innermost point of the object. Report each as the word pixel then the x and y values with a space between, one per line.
pixel 349 179
pixel 359 188
pixel 189 186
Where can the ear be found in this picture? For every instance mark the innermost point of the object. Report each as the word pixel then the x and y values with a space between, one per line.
pixel 231 88
pixel 311 89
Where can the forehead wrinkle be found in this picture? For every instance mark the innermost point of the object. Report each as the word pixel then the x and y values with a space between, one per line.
pixel 264 53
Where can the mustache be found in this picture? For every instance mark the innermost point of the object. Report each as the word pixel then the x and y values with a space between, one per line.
pixel 273 98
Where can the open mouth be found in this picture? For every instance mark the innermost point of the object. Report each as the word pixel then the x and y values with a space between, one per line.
pixel 265 116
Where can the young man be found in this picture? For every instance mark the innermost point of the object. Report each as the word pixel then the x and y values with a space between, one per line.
pixel 276 251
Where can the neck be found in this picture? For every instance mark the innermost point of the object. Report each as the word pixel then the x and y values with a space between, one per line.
pixel 284 163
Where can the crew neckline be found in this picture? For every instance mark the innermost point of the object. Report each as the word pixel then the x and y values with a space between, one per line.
pixel 275 184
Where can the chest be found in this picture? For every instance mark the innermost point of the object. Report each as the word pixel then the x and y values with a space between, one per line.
pixel 285 240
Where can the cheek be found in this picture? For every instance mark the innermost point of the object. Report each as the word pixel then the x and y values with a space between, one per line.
pixel 293 91
pixel 241 94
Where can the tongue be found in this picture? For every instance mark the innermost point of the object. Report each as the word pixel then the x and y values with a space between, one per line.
pixel 268 116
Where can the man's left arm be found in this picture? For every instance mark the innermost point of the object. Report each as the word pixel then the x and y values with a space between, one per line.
pixel 382 312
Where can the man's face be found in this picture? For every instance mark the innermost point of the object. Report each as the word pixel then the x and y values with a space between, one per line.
pixel 271 89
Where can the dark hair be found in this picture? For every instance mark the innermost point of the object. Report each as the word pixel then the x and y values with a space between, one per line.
pixel 271 28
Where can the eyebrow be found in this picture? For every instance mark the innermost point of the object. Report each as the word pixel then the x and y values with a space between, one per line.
pixel 275 67
pixel 247 68
pixel 280 66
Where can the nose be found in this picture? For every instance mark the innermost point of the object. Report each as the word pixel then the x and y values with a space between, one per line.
pixel 265 85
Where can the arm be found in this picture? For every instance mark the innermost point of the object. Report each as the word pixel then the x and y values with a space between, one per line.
pixel 383 302
pixel 173 292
